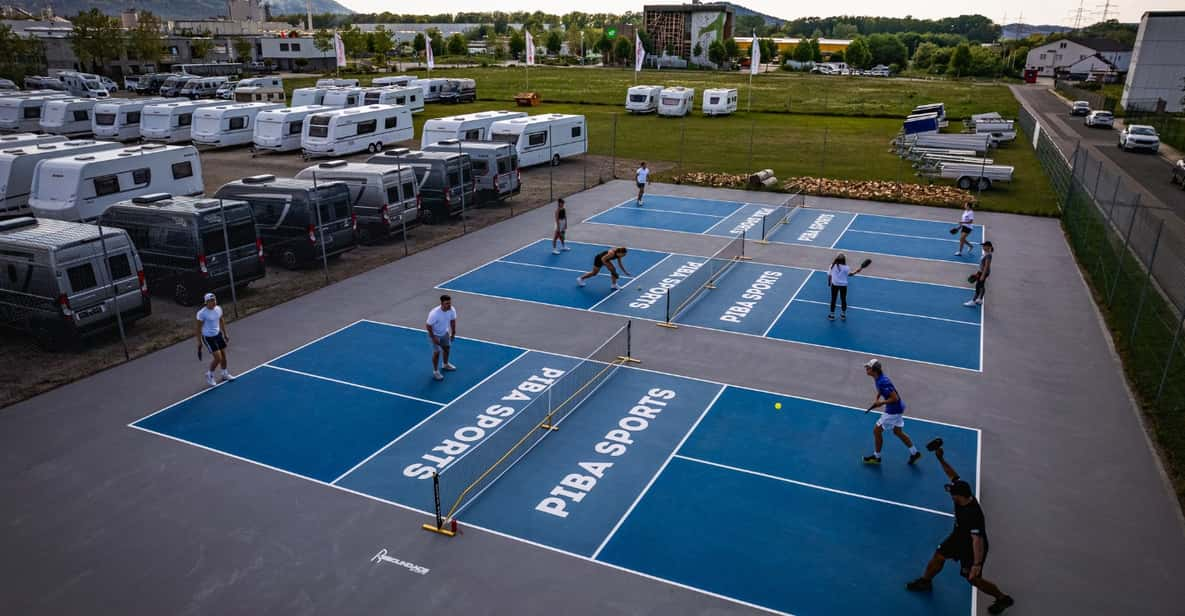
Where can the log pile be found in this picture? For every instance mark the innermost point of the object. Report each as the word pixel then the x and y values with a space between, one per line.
pixel 880 190
pixel 713 180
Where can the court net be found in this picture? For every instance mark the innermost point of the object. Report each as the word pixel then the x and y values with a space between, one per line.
pixel 681 295
pixel 499 447
pixel 782 215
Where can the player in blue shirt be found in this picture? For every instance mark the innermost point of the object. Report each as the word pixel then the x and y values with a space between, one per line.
pixel 893 417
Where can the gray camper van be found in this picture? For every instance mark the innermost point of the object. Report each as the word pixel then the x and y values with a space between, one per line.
pixel 183 246
pixel 495 166
pixel 295 218
pixel 55 283
pixel 446 179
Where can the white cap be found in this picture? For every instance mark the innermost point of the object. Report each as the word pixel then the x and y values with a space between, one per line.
pixel 873 363
pixel 209 296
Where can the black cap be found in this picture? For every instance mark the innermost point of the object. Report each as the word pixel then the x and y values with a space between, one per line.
pixel 959 487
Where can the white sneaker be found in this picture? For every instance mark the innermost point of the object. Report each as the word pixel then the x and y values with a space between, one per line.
pixel 970 303
pixel 437 375
pixel 614 287
pixel 448 367
pixel 555 251
pixel 210 379
pixel 565 249
pixel 979 302
pixel 227 376
pixel 580 281
pixel 958 254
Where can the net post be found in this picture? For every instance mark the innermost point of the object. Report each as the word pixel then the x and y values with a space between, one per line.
pixel 439 526
pixel 629 358
pixel 667 323
pixel 743 256
pixel 763 241
pixel 547 423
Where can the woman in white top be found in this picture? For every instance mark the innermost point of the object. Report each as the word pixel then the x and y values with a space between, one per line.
pixel 837 279
pixel 643 178
pixel 965 222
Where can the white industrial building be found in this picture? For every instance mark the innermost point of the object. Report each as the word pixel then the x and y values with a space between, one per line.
pixel 1079 57
pixel 1157 75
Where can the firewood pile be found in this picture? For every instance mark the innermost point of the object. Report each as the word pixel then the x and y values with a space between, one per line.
pixel 881 190
pixel 713 180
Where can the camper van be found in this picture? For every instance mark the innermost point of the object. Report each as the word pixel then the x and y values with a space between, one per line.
pixel 227 125
pixel 342 97
pixel 495 166
pixel 386 198
pixel 642 99
pixel 458 91
pixel 445 178
pixel 337 83
pixel 173 84
pixel 23 114
pixel 392 81
pixel 345 131
pixel 543 138
pixel 151 84
pixel 85 85
pixel 119 118
pixel 68 116
pixel 297 218
pixel 308 96
pixel 431 88
pixel 719 101
pixel 675 102
pixel 279 130
pixel 19 165
pixel 21 140
pixel 412 98
pixel 62 281
pixel 81 187
pixel 33 82
pixel 466 127
pixel 170 122
pixel 188 244
pixel 203 87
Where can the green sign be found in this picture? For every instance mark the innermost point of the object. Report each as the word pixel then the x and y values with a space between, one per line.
pixel 611 33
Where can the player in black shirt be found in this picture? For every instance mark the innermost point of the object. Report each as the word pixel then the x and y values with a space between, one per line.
pixel 605 259
pixel 967 543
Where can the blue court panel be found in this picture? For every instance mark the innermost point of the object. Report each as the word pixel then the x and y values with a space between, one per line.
pixel 684 480
pixel 747 299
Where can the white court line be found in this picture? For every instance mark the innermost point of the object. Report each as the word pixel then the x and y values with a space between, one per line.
pixel 554 267
pixel 632 204
pixel 425 420
pixel 802 284
pixel 845 230
pixel 902 314
pixel 638 277
pixel 725 219
pixel 474 269
pixel 643 208
pixel 653 478
pixel 349 384
pixel 815 486
pixel 915 237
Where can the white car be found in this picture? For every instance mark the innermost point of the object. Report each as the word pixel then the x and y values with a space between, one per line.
pixel 1080 108
pixel 108 84
pixel 1139 137
pixel 1100 118
pixel 226 91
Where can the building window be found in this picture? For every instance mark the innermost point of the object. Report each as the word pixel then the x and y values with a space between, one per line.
pixel 296 47
pixel 283 46
pixel 1062 45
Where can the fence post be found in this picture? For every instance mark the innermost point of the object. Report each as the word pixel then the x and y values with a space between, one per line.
pixel 1147 281
pixel 823 158
pixel 230 264
pixel 613 150
pixel 752 129
pixel 1098 175
pixel 1126 241
pixel 1169 362
pixel 114 293
pixel 682 140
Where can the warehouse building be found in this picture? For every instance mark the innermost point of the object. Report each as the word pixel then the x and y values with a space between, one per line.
pixel 1156 80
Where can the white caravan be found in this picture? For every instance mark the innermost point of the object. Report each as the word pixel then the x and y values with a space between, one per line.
pixel 543 138
pixel 393 80
pixel 170 122
pixel 20 140
pixel 119 118
pixel 466 127
pixel 68 116
pixel 345 131
pixel 719 101
pixel 82 187
pixel 413 98
pixel 227 125
pixel 308 96
pixel 337 83
pixel 85 85
pixel 675 102
pixel 642 99
pixel 279 130
pixel 258 94
pixel 17 167
pixel 23 113
pixel 384 197
pixel 431 88
pixel 343 97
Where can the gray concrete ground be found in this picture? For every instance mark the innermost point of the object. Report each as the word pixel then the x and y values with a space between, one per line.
pixel 98 517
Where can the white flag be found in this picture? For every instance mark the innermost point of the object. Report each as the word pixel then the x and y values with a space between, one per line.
pixel 339 49
pixel 639 53
pixel 428 49
pixel 530 49
pixel 755 57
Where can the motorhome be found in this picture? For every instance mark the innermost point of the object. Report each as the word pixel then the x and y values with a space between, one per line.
pixel 677 101
pixel 85 85
pixel 431 88
pixel 152 84
pixel 445 179
pixel 345 131
pixel 68 116
pixel 279 130
pixel 385 197
pixel 495 166
pixel 202 87
pixel 258 94
pixel 119 118
pixel 81 187
pixel 173 84
pixel 227 125
pixel 262 82
pixel 393 80
pixel 298 220
pixel 64 281
pixel 308 96
pixel 412 98
pixel 337 83
pixel 20 140
pixel 342 97
pixel 543 138
pixel 189 245
pixel 33 82
pixel 170 122
pixel 458 91
pixel 466 127
pixel 19 165
pixel 23 114
pixel 719 101
pixel 642 99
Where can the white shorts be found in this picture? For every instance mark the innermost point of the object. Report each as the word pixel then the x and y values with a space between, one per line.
pixel 889 422
pixel 446 342
pixel 561 226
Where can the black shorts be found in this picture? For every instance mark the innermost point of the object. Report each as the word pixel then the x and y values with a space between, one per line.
pixel 966 230
pixel 641 185
pixel 215 343
pixel 953 548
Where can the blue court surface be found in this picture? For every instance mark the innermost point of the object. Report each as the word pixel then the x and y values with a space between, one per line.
pixel 867 233
pixel 886 317
pixel 696 483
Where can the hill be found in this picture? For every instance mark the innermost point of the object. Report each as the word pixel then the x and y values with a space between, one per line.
pixel 770 20
pixel 1016 31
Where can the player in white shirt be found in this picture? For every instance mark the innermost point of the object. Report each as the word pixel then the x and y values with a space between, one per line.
pixel 442 329
pixel 837 279
pixel 211 333
pixel 965 222
pixel 643 178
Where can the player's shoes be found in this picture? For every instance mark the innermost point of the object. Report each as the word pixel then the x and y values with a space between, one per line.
pixel 580 281
pixel 555 251
pixel 843 316
pixel 915 457
pixel 1000 605
pixel 615 287
pixel 437 375
pixel 872 460
pixel 920 585
pixel 210 379
pixel 969 303
pixel 565 249
pixel 227 376
pixel 830 316
pixel 959 254
pixel 979 302
pixel 450 368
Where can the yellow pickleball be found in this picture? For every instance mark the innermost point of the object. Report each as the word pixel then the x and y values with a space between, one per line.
pixel 778 405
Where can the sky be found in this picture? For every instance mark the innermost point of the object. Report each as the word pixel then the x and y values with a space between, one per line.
pixel 1059 12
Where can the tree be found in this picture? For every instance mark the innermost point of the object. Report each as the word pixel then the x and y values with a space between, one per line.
pixel 731 49
pixel 96 38
pixel 244 50
pixel 717 54
pixel 354 41
pixel 887 49
pixel 575 40
pixel 858 54
pixel 845 31
pixel 836 56
pixel 436 40
pixel 380 42
pixel 623 49
pixel 696 52
pixel 748 24
pixel 923 58
pixel 144 41
pixel 803 51
pixel 457 45
pixel 323 41
pixel 517 44
pixel 816 51
pixel 604 45
pixel 555 42
pixel 670 48
pixel 647 41
pixel 199 48
pixel 960 60
pixel 419 43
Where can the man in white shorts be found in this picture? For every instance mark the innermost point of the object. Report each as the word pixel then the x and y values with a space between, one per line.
pixel 893 417
pixel 211 333
pixel 442 329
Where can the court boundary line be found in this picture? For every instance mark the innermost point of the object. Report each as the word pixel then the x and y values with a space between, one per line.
pixel 814 486
pixel 623 203
pixel 524 247
pixel 915 237
pixel 358 385
pixel 805 279
pixel 709 230
pixel 643 208
pixel 903 314
pixel 438 411
pixel 845 230
pixel 554 267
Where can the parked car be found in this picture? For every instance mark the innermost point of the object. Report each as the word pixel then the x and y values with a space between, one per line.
pixel 226 91
pixel 1178 176
pixel 1080 108
pixel 8 84
pixel 1139 137
pixel 1100 118
pixel 109 84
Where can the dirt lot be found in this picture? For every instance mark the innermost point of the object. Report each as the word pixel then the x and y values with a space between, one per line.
pixel 28 370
